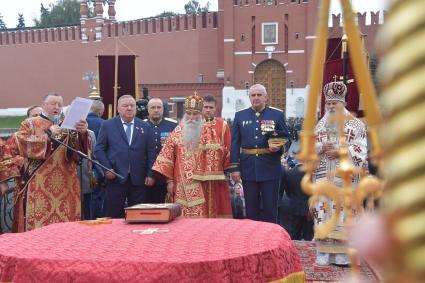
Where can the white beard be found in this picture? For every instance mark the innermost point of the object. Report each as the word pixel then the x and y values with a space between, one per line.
pixel 191 133
pixel 331 123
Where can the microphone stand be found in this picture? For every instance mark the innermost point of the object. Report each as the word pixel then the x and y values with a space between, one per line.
pixel 82 155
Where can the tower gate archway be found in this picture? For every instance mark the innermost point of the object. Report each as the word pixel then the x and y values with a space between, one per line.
pixel 272 74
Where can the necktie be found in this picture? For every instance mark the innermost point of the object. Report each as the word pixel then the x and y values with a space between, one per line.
pixel 128 132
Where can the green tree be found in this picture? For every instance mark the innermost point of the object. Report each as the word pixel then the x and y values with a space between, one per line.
pixel 193 7
pixel 166 14
pixel 21 21
pixel 2 24
pixel 64 12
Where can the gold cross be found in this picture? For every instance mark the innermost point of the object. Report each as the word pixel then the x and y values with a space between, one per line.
pixel 348 81
pixel 341 78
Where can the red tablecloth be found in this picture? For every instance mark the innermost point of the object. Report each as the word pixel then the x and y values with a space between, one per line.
pixel 187 250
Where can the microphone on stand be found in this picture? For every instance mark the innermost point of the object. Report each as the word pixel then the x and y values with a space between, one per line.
pixel 48 132
pixel 81 154
pixel 55 119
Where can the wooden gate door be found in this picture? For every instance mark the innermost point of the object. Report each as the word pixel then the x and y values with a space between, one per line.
pixel 272 75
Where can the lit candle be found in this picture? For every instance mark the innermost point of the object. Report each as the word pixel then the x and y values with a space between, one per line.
pixel 316 74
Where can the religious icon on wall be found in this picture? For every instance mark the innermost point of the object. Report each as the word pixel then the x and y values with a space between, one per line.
pixel 269 33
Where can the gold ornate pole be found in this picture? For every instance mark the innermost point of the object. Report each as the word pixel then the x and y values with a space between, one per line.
pixel 98 72
pixel 364 81
pixel 401 74
pixel 344 58
pixel 308 152
pixel 110 111
pixel 136 78
pixel 116 79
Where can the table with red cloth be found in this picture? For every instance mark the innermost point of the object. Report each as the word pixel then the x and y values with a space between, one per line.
pixel 185 250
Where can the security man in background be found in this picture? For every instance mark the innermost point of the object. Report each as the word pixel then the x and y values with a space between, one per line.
pixel 255 161
pixel 162 127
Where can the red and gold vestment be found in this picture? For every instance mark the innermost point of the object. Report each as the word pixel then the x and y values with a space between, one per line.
pixel 200 184
pixel 50 176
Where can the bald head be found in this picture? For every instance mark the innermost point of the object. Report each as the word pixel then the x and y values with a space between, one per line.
pixel 257 89
pixel 34 111
pixel 257 96
pixel 155 110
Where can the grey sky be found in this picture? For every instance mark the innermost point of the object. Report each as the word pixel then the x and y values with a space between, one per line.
pixel 135 9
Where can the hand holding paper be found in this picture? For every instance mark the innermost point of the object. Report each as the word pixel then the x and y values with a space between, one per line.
pixel 81 126
pixel 77 114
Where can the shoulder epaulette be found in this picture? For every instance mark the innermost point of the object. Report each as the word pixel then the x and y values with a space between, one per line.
pixel 243 109
pixel 170 120
pixel 271 107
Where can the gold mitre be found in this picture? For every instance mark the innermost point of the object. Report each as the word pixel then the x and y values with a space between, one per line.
pixel 193 103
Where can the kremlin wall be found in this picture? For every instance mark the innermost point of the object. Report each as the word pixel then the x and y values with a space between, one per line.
pixel 220 53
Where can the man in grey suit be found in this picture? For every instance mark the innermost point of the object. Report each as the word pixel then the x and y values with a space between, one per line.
pixel 126 145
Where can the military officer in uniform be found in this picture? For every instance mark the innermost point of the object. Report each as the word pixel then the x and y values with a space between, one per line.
pixel 254 159
pixel 162 127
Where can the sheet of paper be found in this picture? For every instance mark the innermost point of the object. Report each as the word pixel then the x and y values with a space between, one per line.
pixel 77 111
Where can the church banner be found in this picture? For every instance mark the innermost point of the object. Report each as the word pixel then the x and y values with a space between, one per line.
pixel 126 79
pixel 334 72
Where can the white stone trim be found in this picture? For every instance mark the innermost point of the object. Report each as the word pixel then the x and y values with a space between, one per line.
pixel 264 52
pixel 178 98
pixel 310 37
pixel 243 53
pixel 296 51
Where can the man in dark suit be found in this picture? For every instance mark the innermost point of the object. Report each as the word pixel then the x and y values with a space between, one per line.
pixel 126 144
pixel 293 206
pixel 93 118
pixel 97 197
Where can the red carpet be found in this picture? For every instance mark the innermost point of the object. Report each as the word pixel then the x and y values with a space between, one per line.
pixel 332 273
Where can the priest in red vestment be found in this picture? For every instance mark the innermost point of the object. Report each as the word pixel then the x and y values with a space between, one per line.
pixel 10 163
pixel 50 192
pixel 193 160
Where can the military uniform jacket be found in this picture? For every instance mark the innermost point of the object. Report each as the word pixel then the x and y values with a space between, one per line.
pixel 247 134
pixel 161 131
